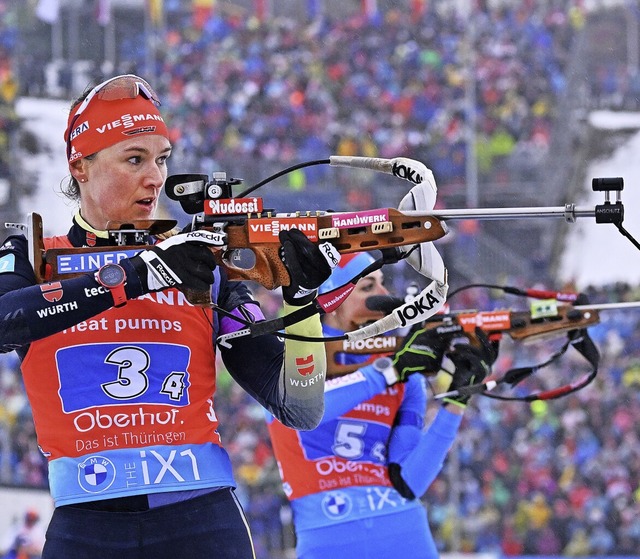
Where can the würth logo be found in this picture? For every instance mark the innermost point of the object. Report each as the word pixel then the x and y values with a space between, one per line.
pixel 52 292
pixel 305 365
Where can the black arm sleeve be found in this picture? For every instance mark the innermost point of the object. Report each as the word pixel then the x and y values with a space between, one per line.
pixel 268 370
pixel 254 363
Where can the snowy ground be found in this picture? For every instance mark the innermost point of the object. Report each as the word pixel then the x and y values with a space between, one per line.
pixel 595 254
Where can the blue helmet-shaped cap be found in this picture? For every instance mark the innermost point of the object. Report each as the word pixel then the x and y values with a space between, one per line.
pixel 350 265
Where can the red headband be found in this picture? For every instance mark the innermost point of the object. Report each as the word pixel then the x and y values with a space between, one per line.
pixel 104 123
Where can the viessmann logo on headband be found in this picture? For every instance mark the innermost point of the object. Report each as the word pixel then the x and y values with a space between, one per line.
pixel 125 121
pixel 128 121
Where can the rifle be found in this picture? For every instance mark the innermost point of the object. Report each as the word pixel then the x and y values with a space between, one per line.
pixel 253 229
pixel 540 321
pixel 545 318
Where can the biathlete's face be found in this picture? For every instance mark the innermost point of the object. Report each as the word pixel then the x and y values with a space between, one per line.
pixel 123 182
pixel 354 312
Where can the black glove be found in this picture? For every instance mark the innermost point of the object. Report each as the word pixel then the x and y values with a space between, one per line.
pixel 472 365
pixel 308 264
pixel 183 260
pixel 421 352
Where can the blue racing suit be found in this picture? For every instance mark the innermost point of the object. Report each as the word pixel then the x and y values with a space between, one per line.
pixel 345 503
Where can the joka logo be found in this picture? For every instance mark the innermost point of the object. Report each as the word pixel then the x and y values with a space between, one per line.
pixel 52 292
pixel 417 308
pixel 305 365
pixel 404 172
pixel 90 239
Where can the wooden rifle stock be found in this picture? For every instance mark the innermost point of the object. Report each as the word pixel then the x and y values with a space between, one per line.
pixel 347 231
pixel 518 325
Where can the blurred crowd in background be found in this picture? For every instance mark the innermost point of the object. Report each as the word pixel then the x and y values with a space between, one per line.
pixel 374 87
pixel 560 477
pixel 254 97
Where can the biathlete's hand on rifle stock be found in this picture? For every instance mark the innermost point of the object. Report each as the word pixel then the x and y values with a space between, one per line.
pixel 184 261
pixel 309 265
pixel 472 365
pixel 421 351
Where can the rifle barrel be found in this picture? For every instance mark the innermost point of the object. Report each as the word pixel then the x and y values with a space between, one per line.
pixel 608 306
pixel 569 212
